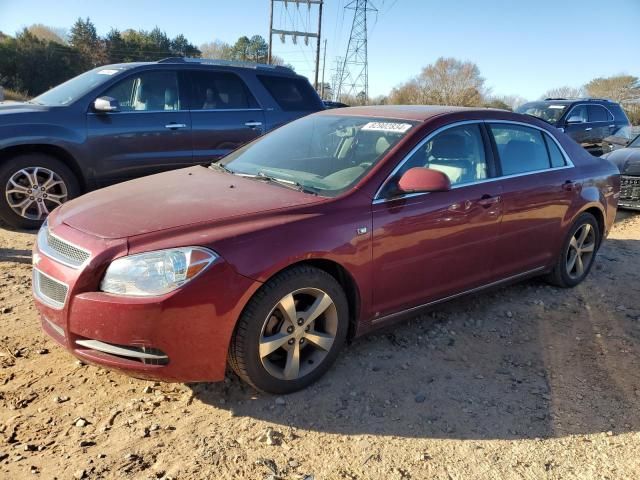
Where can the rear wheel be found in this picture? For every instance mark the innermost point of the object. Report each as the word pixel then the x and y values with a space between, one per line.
pixel 578 253
pixel 291 331
pixel 33 185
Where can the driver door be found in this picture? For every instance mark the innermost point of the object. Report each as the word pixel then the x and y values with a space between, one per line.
pixel 430 246
pixel 150 132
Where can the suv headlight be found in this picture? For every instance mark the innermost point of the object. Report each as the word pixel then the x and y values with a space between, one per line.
pixel 156 273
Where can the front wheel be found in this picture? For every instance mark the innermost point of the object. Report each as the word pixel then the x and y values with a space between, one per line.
pixel 291 331
pixel 33 185
pixel 578 253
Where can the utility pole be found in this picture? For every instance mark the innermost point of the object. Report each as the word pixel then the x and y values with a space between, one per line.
pixel 324 64
pixel 294 34
pixel 353 77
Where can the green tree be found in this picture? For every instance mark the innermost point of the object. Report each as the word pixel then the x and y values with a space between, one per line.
pixel 84 39
pixel 181 47
pixel 241 49
pixel 258 49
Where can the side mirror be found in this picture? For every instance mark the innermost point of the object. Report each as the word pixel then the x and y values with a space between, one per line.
pixel 575 119
pixel 420 179
pixel 106 104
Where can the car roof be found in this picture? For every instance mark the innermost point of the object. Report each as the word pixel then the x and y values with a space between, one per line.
pixel 420 113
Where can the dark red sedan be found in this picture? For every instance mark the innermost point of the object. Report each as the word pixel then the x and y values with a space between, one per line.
pixel 324 229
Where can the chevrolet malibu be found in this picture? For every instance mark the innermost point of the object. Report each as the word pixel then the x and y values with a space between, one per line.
pixel 325 229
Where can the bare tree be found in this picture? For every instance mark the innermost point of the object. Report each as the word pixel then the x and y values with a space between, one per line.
pixel 49 34
pixel 217 49
pixel 621 88
pixel 564 92
pixel 448 81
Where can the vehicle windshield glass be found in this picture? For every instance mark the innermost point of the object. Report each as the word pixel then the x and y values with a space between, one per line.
pixel 550 112
pixel 69 91
pixel 635 143
pixel 326 154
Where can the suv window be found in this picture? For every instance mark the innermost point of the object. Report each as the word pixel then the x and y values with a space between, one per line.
pixel 147 91
pixel 290 93
pixel 458 152
pixel 521 149
pixel 618 113
pixel 578 113
pixel 597 113
pixel 220 91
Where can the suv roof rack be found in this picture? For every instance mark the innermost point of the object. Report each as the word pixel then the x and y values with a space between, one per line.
pixel 582 99
pixel 225 63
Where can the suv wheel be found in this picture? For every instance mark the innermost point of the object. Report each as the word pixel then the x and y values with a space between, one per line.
pixel 33 185
pixel 578 252
pixel 291 331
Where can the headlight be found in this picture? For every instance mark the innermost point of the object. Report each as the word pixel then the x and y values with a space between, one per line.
pixel 156 273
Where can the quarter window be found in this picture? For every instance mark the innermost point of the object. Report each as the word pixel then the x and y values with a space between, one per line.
pixel 521 149
pixel 597 113
pixel 147 91
pixel 220 91
pixel 556 156
pixel 458 152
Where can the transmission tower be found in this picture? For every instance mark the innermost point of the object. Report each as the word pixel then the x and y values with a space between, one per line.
pixel 353 77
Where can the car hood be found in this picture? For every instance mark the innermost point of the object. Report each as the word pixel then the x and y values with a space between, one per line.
pixel 626 159
pixel 21 107
pixel 174 199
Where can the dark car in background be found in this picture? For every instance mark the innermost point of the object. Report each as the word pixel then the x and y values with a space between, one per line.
pixel 122 121
pixel 587 120
pixel 628 162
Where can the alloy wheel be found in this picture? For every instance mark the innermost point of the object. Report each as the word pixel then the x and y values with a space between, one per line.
pixel 32 192
pixel 581 250
pixel 298 333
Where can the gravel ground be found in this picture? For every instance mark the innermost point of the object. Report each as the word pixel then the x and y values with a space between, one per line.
pixel 528 381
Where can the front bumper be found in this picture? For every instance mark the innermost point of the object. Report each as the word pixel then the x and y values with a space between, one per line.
pixel 629 192
pixel 182 336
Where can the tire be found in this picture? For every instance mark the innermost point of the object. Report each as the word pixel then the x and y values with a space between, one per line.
pixel 265 319
pixel 48 172
pixel 566 274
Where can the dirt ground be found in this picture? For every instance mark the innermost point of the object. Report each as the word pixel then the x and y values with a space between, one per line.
pixel 525 382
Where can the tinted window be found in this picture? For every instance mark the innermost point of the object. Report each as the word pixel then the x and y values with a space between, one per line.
pixel 557 159
pixel 147 91
pixel 618 112
pixel 521 149
pixel 458 152
pixel 597 113
pixel 291 93
pixel 578 114
pixel 220 91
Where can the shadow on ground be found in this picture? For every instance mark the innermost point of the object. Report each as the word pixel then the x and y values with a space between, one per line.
pixel 524 361
pixel 15 255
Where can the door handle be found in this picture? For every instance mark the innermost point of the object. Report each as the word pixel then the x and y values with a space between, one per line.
pixel 612 126
pixel 175 126
pixel 253 124
pixel 487 200
pixel 568 185
pixel 588 128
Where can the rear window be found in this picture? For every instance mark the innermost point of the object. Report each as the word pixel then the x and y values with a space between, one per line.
pixel 291 93
pixel 618 113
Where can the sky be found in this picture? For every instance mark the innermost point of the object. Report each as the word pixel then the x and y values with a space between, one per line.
pixel 521 47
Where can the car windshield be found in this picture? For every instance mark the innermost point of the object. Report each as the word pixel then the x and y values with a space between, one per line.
pixel 549 112
pixel 69 91
pixel 324 154
pixel 635 143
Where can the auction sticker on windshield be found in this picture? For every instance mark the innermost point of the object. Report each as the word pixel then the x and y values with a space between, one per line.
pixel 387 127
pixel 107 71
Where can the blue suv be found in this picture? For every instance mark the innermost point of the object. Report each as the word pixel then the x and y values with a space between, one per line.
pixel 123 121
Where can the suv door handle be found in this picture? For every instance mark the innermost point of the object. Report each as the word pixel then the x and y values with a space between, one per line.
pixel 175 126
pixel 588 128
pixel 253 124
pixel 487 200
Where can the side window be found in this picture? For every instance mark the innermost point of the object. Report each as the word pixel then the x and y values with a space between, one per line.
pixel 597 113
pixel 458 152
pixel 147 91
pixel 556 156
pixel 220 91
pixel 578 114
pixel 521 149
pixel 291 93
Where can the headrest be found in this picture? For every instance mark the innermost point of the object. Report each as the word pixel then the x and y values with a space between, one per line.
pixel 449 146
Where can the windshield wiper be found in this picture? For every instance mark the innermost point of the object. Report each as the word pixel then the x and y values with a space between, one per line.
pixel 220 167
pixel 292 184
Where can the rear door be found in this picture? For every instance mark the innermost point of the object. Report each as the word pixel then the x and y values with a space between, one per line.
pixel 150 132
pixel 537 190
pixel 600 124
pixel 224 114
pixel 294 96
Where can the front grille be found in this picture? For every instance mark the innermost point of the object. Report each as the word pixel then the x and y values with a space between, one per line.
pixel 629 191
pixel 49 290
pixel 61 250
